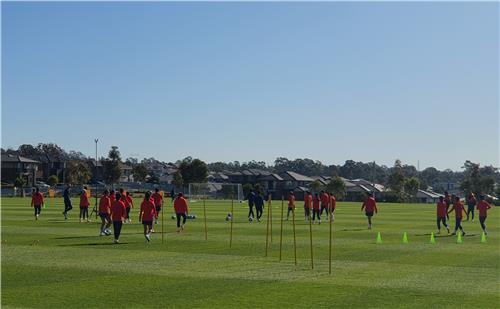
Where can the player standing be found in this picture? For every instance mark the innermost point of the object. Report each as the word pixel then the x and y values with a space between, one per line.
pixel 251 202
pixel 259 205
pixel 370 207
pixel 325 200
pixel 84 205
pixel 37 202
pixel 147 214
pixel 104 213
pixel 181 210
pixel 130 202
pixel 333 206
pixel 67 201
pixel 483 207
pixel 118 213
pixel 307 205
pixel 459 209
pixel 158 201
pixel 441 210
pixel 291 203
pixel 316 209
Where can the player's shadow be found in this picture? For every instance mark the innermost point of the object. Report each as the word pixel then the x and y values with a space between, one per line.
pixel 93 244
pixel 352 230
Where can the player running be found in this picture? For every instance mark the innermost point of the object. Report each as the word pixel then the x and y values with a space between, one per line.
pixel 483 207
pixel 181 210
pixel 147 214
pixel 67 201
pixel 84 205
pixel 459 209
pixel 370 207
pixel 307 205
pixel 325 200
pixel 441 210
pixel 37 202
pixel 104 213
pixel 118 213
pixel 316 209
pixel 158 201
pixel 291 204
pixel 471 203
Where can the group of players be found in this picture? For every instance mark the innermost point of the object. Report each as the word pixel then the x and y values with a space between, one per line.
pixel 114 209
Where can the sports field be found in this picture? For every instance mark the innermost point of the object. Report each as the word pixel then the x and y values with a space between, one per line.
pixel 58 263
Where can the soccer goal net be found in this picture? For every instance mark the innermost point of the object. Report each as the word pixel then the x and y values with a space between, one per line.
pixel 212 190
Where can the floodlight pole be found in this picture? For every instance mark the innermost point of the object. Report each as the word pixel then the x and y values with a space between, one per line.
pixel 95 177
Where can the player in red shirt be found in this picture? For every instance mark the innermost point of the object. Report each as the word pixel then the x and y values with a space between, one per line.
pixel 104 213
pixel 448 200
pixel 118 214
pixel 483 207
pixel 325 201
pixel 181 210
pixel 84 205
pixel 307 205
pixel 316 209
pixel 291 203
pixel 37 201
pixel 158 201
pixel 471 203
pixel 332 205
pixel 130 202
pixel 370 207
pixel 441 211
pixel 458 207
pixel 147 214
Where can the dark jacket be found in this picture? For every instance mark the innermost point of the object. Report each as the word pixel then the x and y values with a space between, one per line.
pixel 251 198
pixel 259 201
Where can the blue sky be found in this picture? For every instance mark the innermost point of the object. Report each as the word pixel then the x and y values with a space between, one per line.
pixel 254 81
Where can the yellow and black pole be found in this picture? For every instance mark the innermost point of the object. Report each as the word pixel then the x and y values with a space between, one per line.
pixel 294 238
pixel 267 228
pixel 330 209
pixel 311 235
pixel 232 219
pixel 281 228
pixel 205 216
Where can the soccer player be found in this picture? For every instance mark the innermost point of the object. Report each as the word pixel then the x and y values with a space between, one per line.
pixel 307 205
pixel 118 213
pixel 259 205
pixel 67 201
pixel 333 205
pixel 130 202
pixel 448 200
pixel 316 209
pixel 112 195
pixel 291 203
pixel 158 201
pixel 147 214
pixel 84 205
pixel 37 202
pixel 471 203
pixel 459 208
pixel 483 207
pixel 325 200
pixel 181 210
pixel 441 209
pixel 370 207
pixel 251 202
pixel 104 213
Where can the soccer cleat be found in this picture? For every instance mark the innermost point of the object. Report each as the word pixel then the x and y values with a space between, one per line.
pixel 182 227
pixel 116 241
pixel 454 233
pixel 485 233
pixel 102 233
pixel 463 233
pixel 438 232
pixel 448 229
pixel 147 237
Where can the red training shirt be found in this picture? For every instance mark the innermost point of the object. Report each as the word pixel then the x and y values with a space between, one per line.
pixel 148 210
pixel 37 199
pixel 180 205
pixel 370 204
pixel 483 207
pixel 118 210
pixel 84 199
pixel 316 201
pixel 441 209
pixel 157 198
pixel 105 204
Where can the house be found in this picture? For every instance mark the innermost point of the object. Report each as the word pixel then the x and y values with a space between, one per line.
pixel 52 165
pixel 427 197
pixel 126 173
pixel 14 166
pixel 294 182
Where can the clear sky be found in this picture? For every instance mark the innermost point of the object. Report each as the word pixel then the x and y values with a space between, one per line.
pixel 254 81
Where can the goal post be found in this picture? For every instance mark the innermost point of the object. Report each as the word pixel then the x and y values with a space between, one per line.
pixel 213 190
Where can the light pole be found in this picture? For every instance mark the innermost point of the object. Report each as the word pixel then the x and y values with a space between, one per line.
pixel 95 177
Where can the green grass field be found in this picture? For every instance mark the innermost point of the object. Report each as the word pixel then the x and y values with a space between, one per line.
pixel 58 263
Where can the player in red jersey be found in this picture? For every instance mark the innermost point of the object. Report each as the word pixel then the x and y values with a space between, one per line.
pixel 181 210
pixel 291 204
pixel 104 213
pixel 147 215
pixel 118 214
pixel 483 207
pixel 37 202
pixel 316 208
pixel 441 211
pixel 370 207
pixel 84 205
pixel 458 207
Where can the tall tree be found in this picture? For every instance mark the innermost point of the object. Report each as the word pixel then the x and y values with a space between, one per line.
pixel 111 166
pixel 411 186
pixel 140 172
pixel 336 186
pixel 178 182
pixel 396 179
pixel 193 170
pixel 77 173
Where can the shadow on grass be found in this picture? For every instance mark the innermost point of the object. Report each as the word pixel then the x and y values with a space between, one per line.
pixel 94 244
pixel 353 230
pixel 448 235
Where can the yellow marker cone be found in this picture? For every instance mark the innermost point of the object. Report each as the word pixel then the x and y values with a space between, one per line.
pixel 405 238
pixel 459 238
pixel 379 238
pixel 433 240
pixel 483 238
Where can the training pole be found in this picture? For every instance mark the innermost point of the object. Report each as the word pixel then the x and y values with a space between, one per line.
pixel 232 219
pixel 281 228
pixel 271 219
pixel 330 253
pixel 267 228
pixel 311 238
pixel 205 215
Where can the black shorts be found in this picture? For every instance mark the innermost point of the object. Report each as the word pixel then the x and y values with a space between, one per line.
pixel 84 207
pixel 369 213
pixel 147 222
pixel 290 207
pixel 104 215
pixel 158 209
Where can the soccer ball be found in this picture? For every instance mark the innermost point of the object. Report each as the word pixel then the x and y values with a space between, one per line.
pixel 250 219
